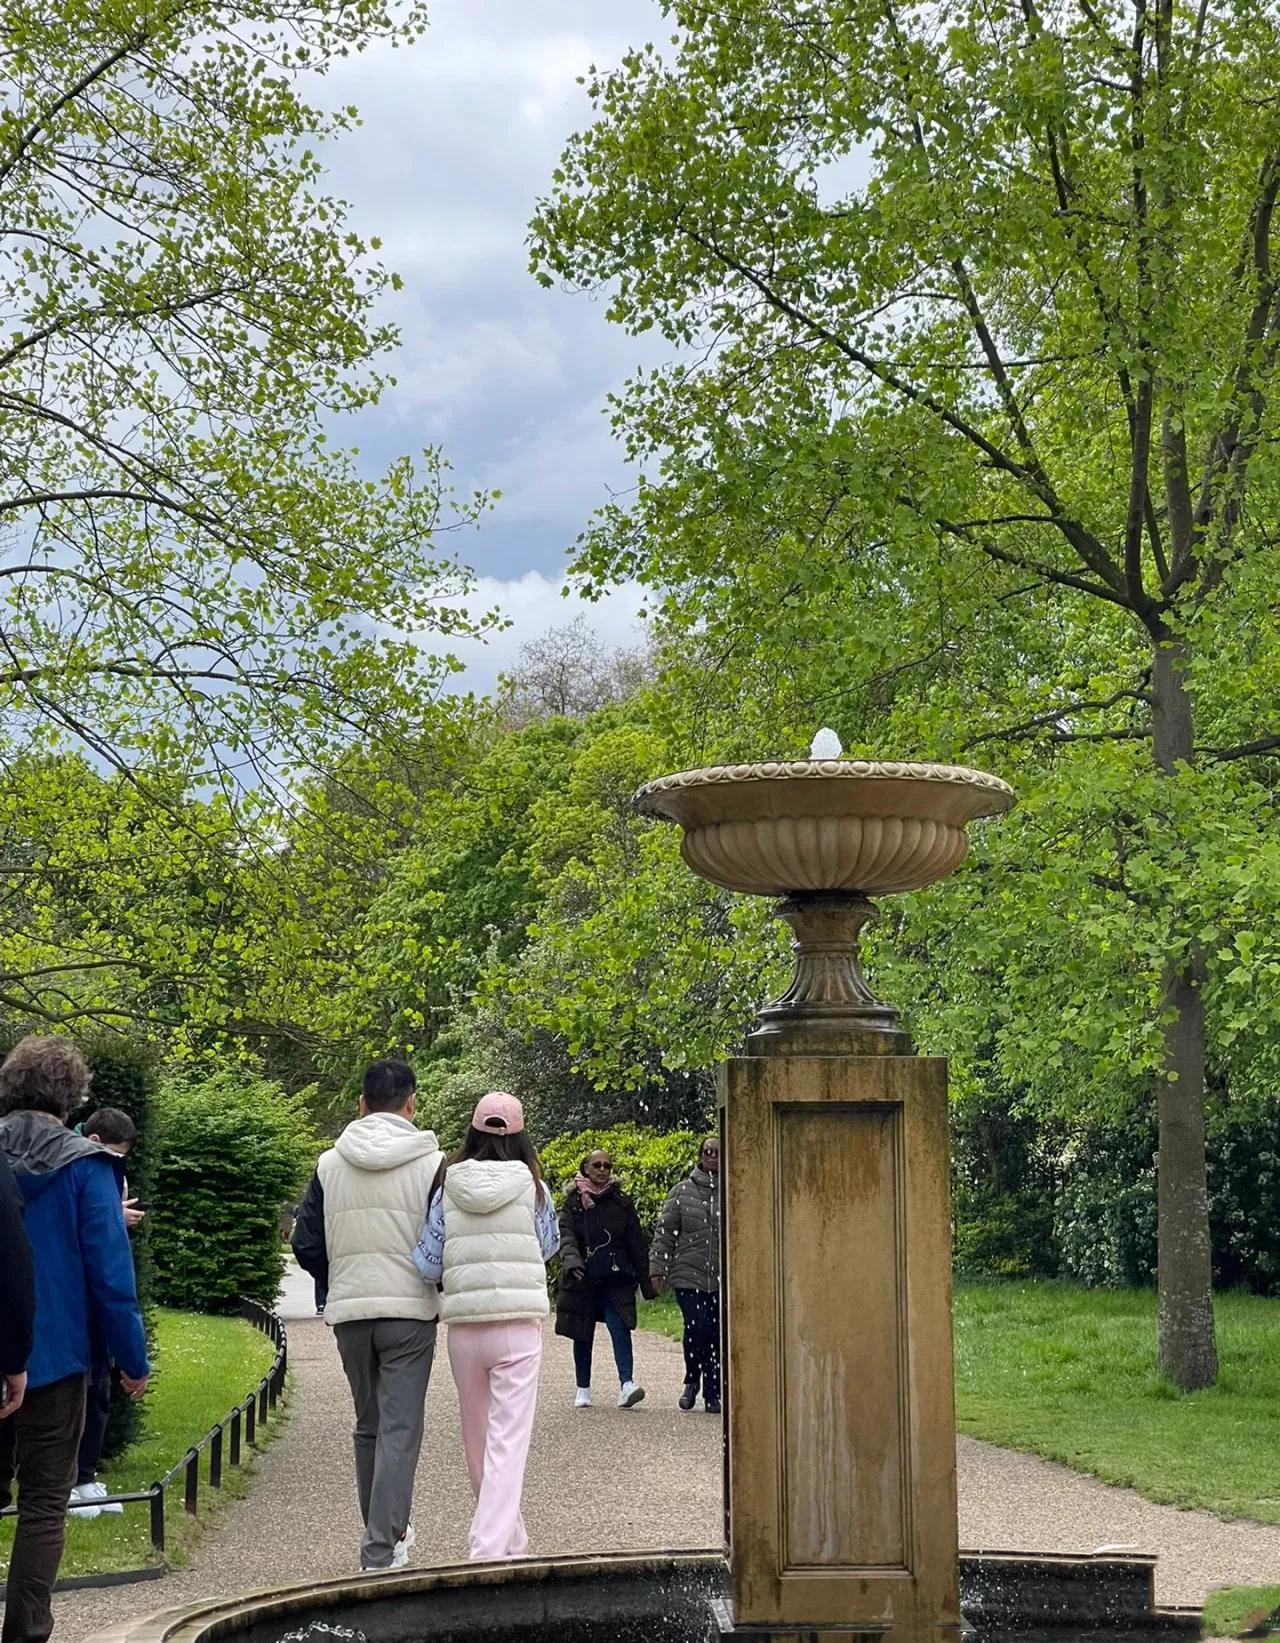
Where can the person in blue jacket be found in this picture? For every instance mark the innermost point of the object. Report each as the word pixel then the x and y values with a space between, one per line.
pixel 85 1293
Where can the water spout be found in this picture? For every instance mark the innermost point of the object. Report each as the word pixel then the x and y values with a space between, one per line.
pixel 826 745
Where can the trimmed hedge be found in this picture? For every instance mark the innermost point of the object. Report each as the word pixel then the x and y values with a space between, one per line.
pixel 646 1163
pixel 233 1150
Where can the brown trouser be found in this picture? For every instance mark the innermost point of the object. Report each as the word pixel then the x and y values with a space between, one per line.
pixel 46 1435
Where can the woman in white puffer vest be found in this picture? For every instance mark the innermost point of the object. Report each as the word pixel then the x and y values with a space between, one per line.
pixel 490 1229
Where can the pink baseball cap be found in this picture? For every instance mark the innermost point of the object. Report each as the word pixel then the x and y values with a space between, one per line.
pixel 498 1114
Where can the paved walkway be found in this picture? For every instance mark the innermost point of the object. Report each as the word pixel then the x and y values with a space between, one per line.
pixel 606 1479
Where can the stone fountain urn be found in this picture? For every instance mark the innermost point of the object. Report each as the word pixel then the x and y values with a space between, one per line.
pixel 825 834
pixel 836 1293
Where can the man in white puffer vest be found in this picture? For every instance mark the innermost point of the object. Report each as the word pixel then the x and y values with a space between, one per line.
pixel 487 1237
pixel 356 1230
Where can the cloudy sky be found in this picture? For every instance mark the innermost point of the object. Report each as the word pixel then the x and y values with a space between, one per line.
pixel 460 136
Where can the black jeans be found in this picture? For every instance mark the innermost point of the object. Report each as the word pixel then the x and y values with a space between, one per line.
pixel 97 1410
pixel 45 1438
pixel 701 1309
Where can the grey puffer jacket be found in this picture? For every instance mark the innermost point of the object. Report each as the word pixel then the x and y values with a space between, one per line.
pixel 686 1244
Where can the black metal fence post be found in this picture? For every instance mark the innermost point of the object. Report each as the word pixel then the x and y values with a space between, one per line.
pixel 157 1516
pixel 243 1422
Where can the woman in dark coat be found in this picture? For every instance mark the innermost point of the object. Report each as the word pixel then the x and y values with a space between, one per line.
pixel 603 1260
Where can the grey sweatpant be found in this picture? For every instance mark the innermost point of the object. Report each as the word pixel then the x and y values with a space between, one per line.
pixel 388 1365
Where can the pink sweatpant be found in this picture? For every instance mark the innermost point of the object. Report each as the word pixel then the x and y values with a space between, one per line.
pixel 495 1368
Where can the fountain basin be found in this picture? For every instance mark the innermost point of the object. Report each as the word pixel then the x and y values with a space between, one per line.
pixel 657 1597
pixel 863 826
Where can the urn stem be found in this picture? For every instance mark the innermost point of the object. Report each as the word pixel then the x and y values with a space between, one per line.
pixel 828 1005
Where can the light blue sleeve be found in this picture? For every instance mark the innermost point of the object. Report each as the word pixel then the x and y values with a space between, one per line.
pixel 428 1254
pixel 547 1225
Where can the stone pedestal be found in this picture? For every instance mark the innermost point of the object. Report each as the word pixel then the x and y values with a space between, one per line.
pixel 840 1478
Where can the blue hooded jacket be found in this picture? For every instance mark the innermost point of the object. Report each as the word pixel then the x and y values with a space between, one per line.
pixel 86 1297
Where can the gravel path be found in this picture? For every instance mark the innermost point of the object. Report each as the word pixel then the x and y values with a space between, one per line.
pixel 657 1470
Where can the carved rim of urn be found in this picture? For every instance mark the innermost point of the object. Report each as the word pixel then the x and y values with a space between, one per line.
pixel 857 826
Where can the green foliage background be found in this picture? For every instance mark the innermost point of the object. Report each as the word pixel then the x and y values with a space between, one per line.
pixel 911 388
pixel 646 1163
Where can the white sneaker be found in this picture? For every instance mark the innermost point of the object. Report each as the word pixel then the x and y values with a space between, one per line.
pixel 400 1556
pixel 630 1395
pixel 582 1398
pixel 99 1491
pixel 80 1502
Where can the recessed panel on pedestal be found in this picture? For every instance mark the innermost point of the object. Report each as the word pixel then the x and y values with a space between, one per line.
pixel 841 1292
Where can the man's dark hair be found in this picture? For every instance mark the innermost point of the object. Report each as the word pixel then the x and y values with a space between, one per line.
pixel 111 1126
pixel 44 1074
pixel 387 1085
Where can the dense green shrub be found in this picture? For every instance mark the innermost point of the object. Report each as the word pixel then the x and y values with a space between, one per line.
pixel 1244 1188
pixel 1003 1181
pixel 646 1163
pixel 232 1150
pixel 1107 1214
pixel 1106 1210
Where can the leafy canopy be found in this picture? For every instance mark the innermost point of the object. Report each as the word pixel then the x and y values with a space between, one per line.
pixel 191 576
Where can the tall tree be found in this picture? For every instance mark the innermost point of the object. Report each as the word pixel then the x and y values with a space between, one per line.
pixel 986 319
pixel 191 577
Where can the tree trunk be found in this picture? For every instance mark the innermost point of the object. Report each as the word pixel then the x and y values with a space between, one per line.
pixel 1187 1350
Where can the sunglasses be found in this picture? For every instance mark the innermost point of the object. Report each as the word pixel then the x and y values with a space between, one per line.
pixel 600 1163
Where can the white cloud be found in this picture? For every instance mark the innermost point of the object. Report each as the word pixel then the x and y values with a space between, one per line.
pixel 535 603
pixel 461 133
pixel 482 359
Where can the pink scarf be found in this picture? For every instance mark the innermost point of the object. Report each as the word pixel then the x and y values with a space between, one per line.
pixel 588 1192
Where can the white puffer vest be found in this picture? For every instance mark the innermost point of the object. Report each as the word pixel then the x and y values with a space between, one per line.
pixel 376 1180
pixel 493 1266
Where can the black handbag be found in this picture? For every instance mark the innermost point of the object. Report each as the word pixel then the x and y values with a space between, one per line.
pixel 606 1266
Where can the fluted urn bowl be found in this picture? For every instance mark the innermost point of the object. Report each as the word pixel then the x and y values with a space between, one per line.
pixel 859 826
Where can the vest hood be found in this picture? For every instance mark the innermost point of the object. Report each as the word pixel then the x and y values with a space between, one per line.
pixel 382 1141
pixel 481 1186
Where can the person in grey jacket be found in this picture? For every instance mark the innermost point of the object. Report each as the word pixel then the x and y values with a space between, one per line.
pixel 686 1254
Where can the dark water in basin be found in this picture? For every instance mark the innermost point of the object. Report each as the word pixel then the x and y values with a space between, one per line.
pixel 1050 1599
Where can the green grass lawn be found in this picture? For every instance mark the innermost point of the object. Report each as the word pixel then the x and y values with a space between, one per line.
pixel 1070 1374
pixel 662 1315
pixel 1240 1611
pixel 203 1367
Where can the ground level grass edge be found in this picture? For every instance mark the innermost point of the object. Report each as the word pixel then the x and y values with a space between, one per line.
pixel 203 1367
pixel 1069 1374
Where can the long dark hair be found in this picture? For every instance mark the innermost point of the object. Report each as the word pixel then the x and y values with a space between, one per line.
pixel 490 1147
